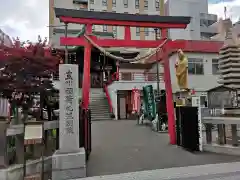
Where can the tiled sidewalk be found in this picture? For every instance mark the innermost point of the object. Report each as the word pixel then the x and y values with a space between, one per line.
pixel 124 146
pixel 224 171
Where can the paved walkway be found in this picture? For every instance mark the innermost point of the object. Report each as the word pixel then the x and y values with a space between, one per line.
pixel 224 171
pixel 123 146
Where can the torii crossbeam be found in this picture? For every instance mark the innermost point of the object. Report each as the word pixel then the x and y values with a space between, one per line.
pixel 127 21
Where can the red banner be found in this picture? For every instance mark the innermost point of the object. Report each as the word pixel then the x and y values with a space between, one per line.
pixel 136 101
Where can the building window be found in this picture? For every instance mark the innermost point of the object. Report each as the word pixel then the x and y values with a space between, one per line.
pixel 158 35
pixel 137 31
pixel 215 67
pixel 114 3
pixel 203 100
pixel 146 30
pixel 157 4
pixel 125 2
pixel 145 4
pixel 115 31
pixel 91 1
pixel 126 76
pixel 137 4
pixel 104 2
pixel 195 66
pixel 104 28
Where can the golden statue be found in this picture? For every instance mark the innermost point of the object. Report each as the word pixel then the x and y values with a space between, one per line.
pixel 182 70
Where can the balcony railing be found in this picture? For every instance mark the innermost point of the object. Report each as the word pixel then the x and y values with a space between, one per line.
pixel 80 1
pixel 137 76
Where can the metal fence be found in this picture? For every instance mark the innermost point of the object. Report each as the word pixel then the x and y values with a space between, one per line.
pixel 13 152
pixel 85 131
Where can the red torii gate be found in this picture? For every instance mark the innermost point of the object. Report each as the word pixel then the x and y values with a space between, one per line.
pixel 126 20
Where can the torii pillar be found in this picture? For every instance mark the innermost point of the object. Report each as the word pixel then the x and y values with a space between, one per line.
pixel 86 70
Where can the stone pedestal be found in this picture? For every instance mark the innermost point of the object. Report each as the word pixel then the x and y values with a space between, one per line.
pixel 68 165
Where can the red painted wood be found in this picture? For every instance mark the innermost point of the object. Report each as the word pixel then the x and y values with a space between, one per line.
pixel 121 23
pixel 169 99
pixel 203 46
pixel 86 72
pixel 127 34
pixel 80 41
pixel 164 33
pixel 190 46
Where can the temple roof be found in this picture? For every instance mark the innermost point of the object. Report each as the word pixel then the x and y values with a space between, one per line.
pixel 121 16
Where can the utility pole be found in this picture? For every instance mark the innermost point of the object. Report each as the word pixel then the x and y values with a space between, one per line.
pixel 157 33
pixel 157 61
pixel 66 47
pixel 159 124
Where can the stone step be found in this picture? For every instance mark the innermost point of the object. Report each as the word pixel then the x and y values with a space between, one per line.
pixel 99 102
pixel 108 119
pixel 99 109
pixel 106 113
pixel 100 112
pixel 101 117
pixel 98 99
pixel 96 104
pixel 99 106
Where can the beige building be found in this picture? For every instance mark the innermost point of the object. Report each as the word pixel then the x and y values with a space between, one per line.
pixel 221 27
pixel 56 29
pixel 196 30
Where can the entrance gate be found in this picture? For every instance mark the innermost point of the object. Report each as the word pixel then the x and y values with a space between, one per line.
pixel 187 127
pixel 90 18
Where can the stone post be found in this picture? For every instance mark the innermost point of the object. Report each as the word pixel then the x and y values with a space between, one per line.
pixel 69 161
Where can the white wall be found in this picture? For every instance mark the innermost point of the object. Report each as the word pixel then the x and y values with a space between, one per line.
pixel 138 83
pixel 200 83
pixel 197 82
pixel 191 8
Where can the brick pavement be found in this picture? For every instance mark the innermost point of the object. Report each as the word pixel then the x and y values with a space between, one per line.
pixel 123 146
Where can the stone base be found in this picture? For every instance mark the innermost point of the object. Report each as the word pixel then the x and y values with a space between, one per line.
pixel 69 165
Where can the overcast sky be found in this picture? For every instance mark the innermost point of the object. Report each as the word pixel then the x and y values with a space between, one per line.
pixel 29 18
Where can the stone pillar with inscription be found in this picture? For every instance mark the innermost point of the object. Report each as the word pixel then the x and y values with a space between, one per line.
pixel 69 161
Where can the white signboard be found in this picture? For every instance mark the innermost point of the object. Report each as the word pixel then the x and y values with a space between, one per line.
pixel 196 103
pixel 69 107
pixel 33 131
